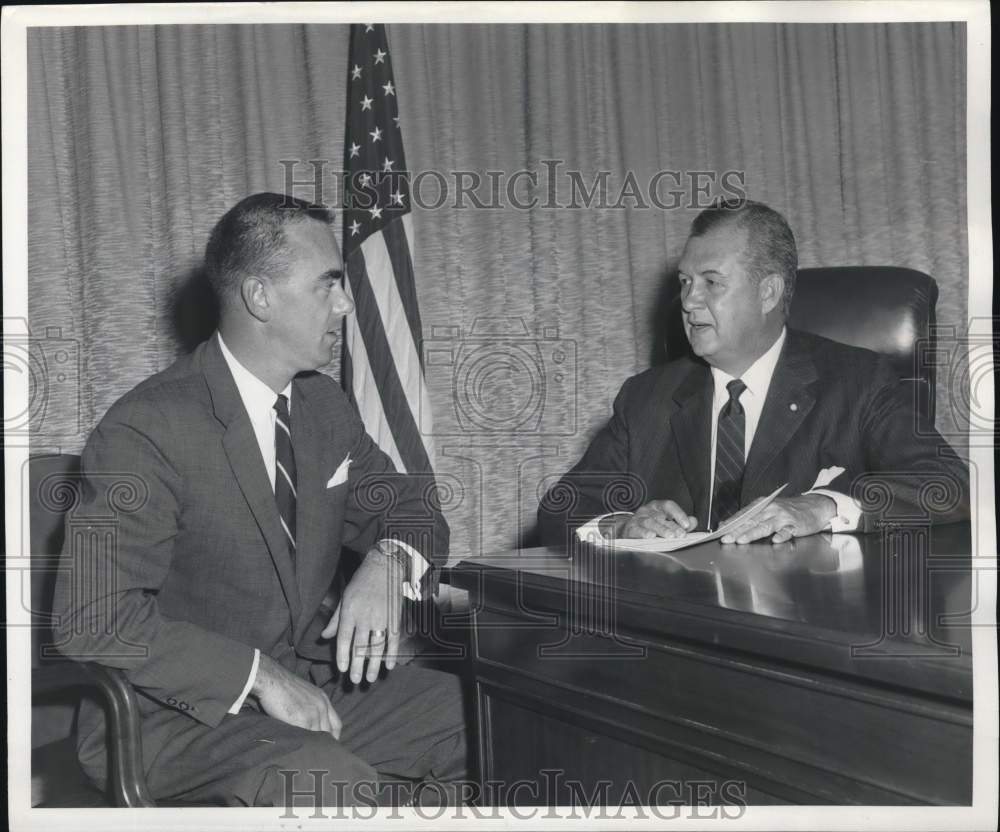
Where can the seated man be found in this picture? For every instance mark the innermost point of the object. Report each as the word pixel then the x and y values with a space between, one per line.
pixel 693 441
pixel 247 472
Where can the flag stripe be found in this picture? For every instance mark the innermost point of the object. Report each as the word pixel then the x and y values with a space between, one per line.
pixel 397 246
pixel 364 391
pixel 401 419
pixel 383 365
pixel 391 311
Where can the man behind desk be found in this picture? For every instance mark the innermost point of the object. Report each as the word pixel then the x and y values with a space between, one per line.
pixel 247 474
pixel 695 440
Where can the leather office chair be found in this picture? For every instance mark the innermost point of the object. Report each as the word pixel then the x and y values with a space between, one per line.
pixel 886 309
pixel 57 684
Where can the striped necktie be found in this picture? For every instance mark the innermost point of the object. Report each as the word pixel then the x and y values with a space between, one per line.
pixel 729 456
pixel 284 475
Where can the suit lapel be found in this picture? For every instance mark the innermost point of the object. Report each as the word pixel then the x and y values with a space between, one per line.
pixel 243 452
pixel 691 425
pixel 310 522
pixel 789 401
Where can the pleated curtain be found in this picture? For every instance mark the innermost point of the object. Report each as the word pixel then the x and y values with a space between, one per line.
pixel 141 137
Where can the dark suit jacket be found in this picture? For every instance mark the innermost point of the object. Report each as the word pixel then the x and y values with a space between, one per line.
pixel 193 571
pixel 828 405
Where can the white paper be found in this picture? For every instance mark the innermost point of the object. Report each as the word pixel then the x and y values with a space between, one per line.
pixel 663 544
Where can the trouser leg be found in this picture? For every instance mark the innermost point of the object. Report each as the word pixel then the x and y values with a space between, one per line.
pixel 251 759
pixel 409 724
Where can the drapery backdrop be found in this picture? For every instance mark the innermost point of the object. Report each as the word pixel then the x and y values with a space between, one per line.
pixel 140 138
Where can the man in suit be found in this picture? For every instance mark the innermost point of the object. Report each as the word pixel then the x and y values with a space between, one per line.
pixel 235 477
pixel 757 407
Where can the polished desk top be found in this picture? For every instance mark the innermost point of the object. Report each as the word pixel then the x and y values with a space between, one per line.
pixel 893 608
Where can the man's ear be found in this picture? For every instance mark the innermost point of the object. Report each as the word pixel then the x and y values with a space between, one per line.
pixel 255 298
pixel 771 292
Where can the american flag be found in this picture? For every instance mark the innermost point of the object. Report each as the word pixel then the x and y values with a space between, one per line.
pixel 383 366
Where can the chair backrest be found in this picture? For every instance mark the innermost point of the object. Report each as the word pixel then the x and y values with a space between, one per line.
pixel 883 308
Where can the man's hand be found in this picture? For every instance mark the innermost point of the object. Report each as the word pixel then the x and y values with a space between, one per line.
pixel 294 701
pixel 786 518
pixel 366 622
pixel 658 518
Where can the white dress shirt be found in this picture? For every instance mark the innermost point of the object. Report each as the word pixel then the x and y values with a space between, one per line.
pixel 757 379
pixel 258 399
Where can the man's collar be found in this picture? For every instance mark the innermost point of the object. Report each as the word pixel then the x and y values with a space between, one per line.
pixel 757 377
pixel 257 397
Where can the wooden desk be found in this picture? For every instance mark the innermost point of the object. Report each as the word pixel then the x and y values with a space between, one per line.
pixel 832 669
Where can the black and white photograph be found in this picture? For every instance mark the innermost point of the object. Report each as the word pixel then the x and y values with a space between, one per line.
pixel 434 415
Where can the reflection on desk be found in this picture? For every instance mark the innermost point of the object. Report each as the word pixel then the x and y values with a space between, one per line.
pixel 834 668
pixel 783 581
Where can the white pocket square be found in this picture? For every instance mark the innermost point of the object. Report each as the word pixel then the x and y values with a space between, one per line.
pixel 826 476
pixel 340 475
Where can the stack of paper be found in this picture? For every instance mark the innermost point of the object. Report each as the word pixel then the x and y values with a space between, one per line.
pixel 663 544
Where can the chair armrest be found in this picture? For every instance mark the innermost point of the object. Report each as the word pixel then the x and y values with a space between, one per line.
pixel 126 776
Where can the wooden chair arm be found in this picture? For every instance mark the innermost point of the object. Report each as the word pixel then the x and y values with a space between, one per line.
pixel 126 776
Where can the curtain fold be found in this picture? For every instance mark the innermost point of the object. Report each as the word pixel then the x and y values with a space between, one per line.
pixel 140 138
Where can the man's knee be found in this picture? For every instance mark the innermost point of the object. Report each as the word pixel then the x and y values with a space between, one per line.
pixel 443 724
pixel 320 772
pixel 436 689
pixel 448 714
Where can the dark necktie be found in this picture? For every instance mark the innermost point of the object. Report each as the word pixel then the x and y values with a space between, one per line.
pixel 729 457
pixel 284 475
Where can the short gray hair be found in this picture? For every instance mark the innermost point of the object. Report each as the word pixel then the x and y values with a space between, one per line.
pixel 770 243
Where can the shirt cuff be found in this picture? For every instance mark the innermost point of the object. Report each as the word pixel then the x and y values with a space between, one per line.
pixel 590 532
pixel 418 566
pixel 848 514
pixel 249 685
